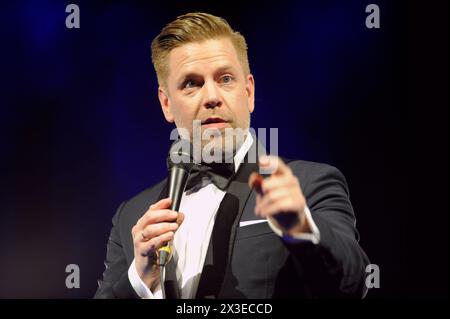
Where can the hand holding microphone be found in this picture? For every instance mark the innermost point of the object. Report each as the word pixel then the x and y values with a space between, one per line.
pixel 154 232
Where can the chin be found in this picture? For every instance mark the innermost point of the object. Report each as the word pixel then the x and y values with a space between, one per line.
pixel 215 149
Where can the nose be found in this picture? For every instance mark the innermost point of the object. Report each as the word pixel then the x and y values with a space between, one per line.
pixel 212 95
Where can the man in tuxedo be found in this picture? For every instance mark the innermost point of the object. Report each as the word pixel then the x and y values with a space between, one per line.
pixel 236 235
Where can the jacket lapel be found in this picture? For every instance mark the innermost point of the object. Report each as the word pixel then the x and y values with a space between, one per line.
pixel 239 185
pixel 239 188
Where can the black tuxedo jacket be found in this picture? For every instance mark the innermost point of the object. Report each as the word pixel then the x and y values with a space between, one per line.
pixel 260 264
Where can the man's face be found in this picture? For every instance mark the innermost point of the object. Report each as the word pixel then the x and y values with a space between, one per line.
pixel 206 82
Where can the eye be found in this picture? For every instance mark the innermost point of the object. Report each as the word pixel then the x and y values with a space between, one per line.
pixel 226 79
pixel 189 84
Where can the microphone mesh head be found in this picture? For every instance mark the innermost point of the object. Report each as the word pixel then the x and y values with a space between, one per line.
pixel 181 155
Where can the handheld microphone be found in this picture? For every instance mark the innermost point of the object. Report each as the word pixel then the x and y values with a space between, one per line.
pixel 179 165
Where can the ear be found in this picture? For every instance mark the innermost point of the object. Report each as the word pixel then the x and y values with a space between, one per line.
pixel 165 104
pixel 250 89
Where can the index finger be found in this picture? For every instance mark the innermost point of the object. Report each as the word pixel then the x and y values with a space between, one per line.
pixel 161 204
pixel 273 165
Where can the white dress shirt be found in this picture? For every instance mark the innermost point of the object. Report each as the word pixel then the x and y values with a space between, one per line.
pixel 191 240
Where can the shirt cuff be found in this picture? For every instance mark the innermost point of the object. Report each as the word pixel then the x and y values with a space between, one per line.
pixel 313 237
pixel 140 287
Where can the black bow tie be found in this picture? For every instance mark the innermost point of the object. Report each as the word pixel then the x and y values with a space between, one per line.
pixel 218 173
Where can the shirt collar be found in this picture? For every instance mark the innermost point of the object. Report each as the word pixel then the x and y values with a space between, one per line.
pixel 240 154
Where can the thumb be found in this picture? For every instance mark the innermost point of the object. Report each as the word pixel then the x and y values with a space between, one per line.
pixel 180 219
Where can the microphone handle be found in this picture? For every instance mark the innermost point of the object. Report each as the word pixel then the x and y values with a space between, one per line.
pixel 177 182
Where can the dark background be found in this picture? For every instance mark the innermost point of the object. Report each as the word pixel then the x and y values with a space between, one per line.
pixel 81 128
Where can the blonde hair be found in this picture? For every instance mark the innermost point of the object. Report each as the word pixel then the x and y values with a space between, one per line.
pixel 193 27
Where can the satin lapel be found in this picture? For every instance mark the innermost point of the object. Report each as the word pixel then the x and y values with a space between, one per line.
pixel 240 189
pixel 239 185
